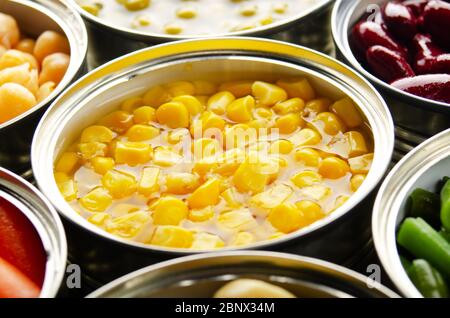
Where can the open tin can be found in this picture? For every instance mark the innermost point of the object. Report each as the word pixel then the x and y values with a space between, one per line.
pixel 35 17
pixel 308 28
pixel 44 218
pixel 421 168
pixel 416 118
pixel 337 237
pixel 202 275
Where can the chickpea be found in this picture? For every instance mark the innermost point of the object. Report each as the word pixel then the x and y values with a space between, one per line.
pixel 13 58
pixel 9 31
pixel 26 45
pixel 20 75
pixel 54 67
pixel 45 90
pixel 50 42
pixel 14 100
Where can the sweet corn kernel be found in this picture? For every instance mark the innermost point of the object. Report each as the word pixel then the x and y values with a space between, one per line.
pixel 129 225
pixel 192 104
pixel 180 88
pixel 248 10
pixel 176 136
pixel 102 165
pixel 347 111
pixel 99 218
pixel 148 183
pixel 209 120
pixel 201 215
pixel 165 157
pixel 286 218
pixel 238 220
pixel 61 177
pixel 266 20
pixel 306 178
pixel 316 192
pixel 281 146
pixel 169 211
pixel 119 121
pixel 172 236
pixel 206 241
pixel 67 162
pixel 237 88
pixel 219 102
pixel 68 189
pixel 132 153
pixel 91 8
pixel 119 184
pixel 242 239
pixel 230 196
pixel 318 105
pixel 144 115
pixel 173 29
pixel 90 150
pixel 123 209
pixel 333 168
pixel 97 134
pixel 356 181
pixel 268 94
pixel 97 200
pixel 330 123
pixel 204 87
pixel 186 13
pixel 361 164
pixel 241 109
pixel 298 87
pixel 248 178
pixel 203 99
pixel 289 123
pixel 306 137
pixel 357 143
pixel 156 96
pixel 207 194
pixel 141 133
pixel 311 211
pixel 293 105
pixel 308 156
pixel 204 166
pixel 272 197
pixel 173 115
pixel 280 8
pixel 238 136
pixel 181 182
pixel 205 147
pixel 263 112
pixel 136 5
pixel 340 201
pixel 130 104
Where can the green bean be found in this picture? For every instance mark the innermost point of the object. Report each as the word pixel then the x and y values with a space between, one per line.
pixel 426 205
pixel 445 205
pixel 427 279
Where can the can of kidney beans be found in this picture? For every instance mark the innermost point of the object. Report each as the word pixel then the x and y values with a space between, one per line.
pixel 33 248
pixel 416 118
pixel 33 18
pixel 104 256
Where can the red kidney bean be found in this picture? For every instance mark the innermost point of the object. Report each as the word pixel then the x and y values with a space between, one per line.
pixel 368 33
pixel 429 58
pixel 436 17
pixel 400 20
pixel 416 6
pixel 431 86
pixel 388 64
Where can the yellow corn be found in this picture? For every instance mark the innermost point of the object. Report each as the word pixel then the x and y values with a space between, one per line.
pixel 136 5
pixel 237 88
pixel 144 115
pixel 263 112
pixel 333 168
pixel 190 102
pixel 230 195
pixel 156 96
pixel 99 218
pixel 241 109
pixel 206 241
pixel 173 29
pixel 102 165
pixel 289 123
pixel 340 201
pixel 237 220
pixel 361 164
pixel 207 194
pixel 148 183
pixel 67 162
pixel 330 123
pixel 219 102
pixel 272 197
pixel 205 147
pixel 97 134
pixel 306 137
pixel 130 104
pixel 356 181
pixel 180 88
pixel 165 157
pixel 268 94
pixel 311 211
pixel 293 105
pixel 357 143
pixel 90 150
pixel 318 105
pixel 169 211
pixel 97 200
pixel 119 121
pixel 282 146
pixel 306 178
pixel 201 215
pixel 186 13
pixel 347 111
pixel 132 153
pixel 298 87
pixel 242 239
pixel 142 132
pixel 248 177
pixel 204 87
pixel 308 156
pixel 172 236
pixel 173 115
pixel 286 218
pixel 316 192
pixel 181 182
pixel 129 225
pixel 68 189
pixel 119 184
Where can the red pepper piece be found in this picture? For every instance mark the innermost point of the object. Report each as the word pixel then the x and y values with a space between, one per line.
pixel 20 244
pixel 436 17
pixel 367 34
pixel 431 86
pixel 14 284
pixel 400 21
pixel 388 64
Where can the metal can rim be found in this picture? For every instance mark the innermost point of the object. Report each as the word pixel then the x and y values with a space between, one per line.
pixel 219 43
pixel 78 44
pixel 156 37
pixel 340 20
pixel 389 198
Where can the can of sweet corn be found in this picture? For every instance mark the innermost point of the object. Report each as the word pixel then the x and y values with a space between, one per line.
pixel 337 237
pixel 47 224
pixel 201 276
pixel 422 168
pixel 309 27
pixel 33 18
pixel 415 118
